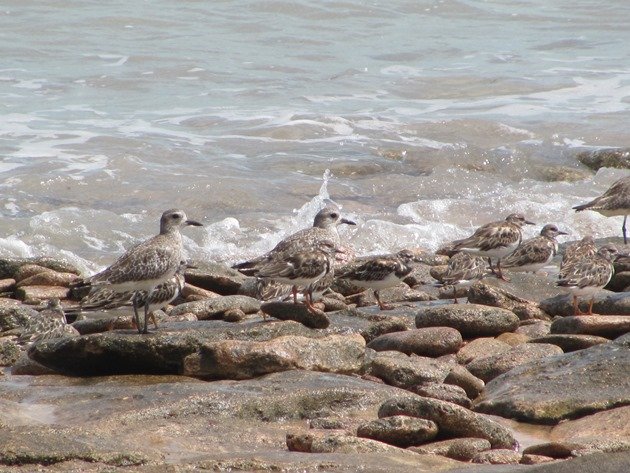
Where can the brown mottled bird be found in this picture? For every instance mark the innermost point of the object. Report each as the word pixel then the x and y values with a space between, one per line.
pixel 614 202
pixel 535 253
pixel 378 272
pixel 494 240
pixel 299 267
pixel 462 271
pixel 576 251
pixel 51 323
pixel 588 275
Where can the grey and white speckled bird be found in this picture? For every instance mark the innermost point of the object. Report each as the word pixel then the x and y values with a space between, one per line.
pixel 588 275
pixel 462 271
pixel 535 253
pixel 147 264
pixel 378 272
pixel 299 268
pixel 51 323
pixel 494 240
pixel 103 298
pixel 612 203
pixel 324 228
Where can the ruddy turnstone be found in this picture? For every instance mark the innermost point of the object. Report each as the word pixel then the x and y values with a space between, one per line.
pixel 462 271
pixel 324 229
pixel 147 264
pixel 576 251
pixel 494 240
pixel 103 298
pixel 588 275
pixel 535 253
pixel 299 268
pixel 614 202
pixel 50 324
pixel 378 272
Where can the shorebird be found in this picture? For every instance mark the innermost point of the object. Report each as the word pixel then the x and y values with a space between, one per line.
pixel 378 272
pixel 462 271
pixel 103 298
pixel 494 240
pixel 576 251
pixel 588 275
pixel 535 253
pixel 147 264
pixel 614 202
pixel 324 228
pixel 51 323
pixel 299 268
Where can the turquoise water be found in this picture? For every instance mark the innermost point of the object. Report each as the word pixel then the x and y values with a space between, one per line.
pixel 422 119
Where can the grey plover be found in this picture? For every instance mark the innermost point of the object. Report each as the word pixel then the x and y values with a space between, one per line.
pixel 535 253
pixel 614 202
pixel 147 264
pixel 378 272
pixel 494 240
pixel 588 275
pixel 576 251
pixel 324 228
pixel 103 298
pixel 299 269
pixel 51 323
pixel 462 271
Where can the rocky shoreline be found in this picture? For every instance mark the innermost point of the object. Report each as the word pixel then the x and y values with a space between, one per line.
pixel 227 383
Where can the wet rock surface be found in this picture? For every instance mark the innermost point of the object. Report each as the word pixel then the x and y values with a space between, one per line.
pixel 490 367
pixel 609 326
pixel 400 431
pixel 463 449
pixel 161 352
pixel 432 341
pixel 606 157
pixel 400 370
pixel 215 308
pixel 197 394
pixel 451 419
pixel 297 312
pixel 569 342
pixel 606 303
pixel 563 386
pixel 471 320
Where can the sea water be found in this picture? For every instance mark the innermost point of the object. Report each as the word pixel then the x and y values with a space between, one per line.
pixel 421 119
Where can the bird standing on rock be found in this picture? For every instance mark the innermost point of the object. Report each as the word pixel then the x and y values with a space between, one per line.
pixel 50 324
pixel 494 240
pixel 378 272
pixel 576 251
pixel 588 275
pixel 103 298
pixel 300 269
pixel 614 202
pixel 324 228
pixel 462 270
pixel 146 265
pixel 535 253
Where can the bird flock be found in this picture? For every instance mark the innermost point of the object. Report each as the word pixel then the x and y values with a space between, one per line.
pixel 150 274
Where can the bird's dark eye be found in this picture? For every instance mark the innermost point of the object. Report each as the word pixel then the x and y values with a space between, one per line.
pixel 176 216
pixel 334 215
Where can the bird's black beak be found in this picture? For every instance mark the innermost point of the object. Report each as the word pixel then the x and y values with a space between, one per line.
pixel 529 223
pixel 194 223
pixel 562 233
pixel 347 222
